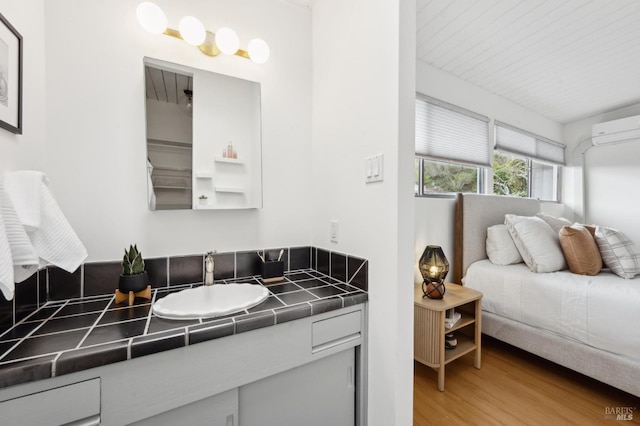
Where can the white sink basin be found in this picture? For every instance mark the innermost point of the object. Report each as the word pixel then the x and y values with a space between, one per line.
pixel 209 301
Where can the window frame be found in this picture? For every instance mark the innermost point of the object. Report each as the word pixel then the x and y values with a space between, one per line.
pixel 481 186
pixel 529 166
pixel 539 147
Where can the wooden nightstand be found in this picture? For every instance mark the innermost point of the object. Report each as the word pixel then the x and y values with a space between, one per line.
pixel 429 327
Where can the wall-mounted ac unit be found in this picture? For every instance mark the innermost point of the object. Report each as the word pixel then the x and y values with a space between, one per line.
pixel 622 130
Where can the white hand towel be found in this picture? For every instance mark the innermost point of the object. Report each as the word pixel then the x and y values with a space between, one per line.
pixel 23 255
pixel 53 239
pixel 24 188
pixel 6 264
pixel 150 191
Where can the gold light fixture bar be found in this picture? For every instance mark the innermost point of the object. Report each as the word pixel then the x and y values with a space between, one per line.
pixel 209 48
pixel 153 19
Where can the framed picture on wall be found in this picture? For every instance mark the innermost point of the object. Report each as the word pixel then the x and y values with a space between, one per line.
pixel 10 77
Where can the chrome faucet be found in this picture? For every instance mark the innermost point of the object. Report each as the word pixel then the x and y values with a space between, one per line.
pixel 208 268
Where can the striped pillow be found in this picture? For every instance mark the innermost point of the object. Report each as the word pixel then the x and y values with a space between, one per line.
pixel 618 252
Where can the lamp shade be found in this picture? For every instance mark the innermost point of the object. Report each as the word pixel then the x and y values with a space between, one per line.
pixel 434 268
pixel 192 31
pixel 433 264
pixel 227 41
pixel 259 51
pixel 151 17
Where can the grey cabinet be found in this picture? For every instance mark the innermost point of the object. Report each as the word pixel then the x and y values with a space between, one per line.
pixel 300 372
pixel 28 409
pixel 217 410
pixel 316 394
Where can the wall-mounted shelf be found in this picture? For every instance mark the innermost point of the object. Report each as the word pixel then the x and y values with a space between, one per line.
pixel 229 189
pixel 171 187
pixel 171 169
pixel 171 181
pixel 204 174
pixel 170 206
pixel 169 144
pixel 229 160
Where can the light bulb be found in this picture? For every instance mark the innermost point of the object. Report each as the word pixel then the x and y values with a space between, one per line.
pixel 151 17
pixel 192 31
pixel 258 51
pixel 227 41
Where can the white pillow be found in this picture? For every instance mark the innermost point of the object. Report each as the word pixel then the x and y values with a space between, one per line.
pixel 500 247
pixel 556 223
pixel 618 252
pixel 537 243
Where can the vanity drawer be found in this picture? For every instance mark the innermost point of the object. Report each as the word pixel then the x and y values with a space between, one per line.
pixel 78 403
pixel 336 330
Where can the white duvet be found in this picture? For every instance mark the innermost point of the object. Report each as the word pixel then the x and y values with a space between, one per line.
pixel 602 311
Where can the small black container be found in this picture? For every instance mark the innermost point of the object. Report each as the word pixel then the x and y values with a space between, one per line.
pixel 133 283
pixel 273 270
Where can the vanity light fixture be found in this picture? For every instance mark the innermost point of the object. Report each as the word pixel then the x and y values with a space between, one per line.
pixel 192 31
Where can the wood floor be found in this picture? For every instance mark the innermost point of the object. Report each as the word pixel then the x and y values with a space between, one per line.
pixel 514 387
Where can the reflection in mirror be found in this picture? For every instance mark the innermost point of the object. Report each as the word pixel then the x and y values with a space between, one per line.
pixel 169 110
pixel 203 139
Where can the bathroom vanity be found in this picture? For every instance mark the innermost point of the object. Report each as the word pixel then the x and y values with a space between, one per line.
pixel 290 361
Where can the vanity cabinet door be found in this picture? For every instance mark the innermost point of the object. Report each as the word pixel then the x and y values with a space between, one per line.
pixel 320 393
pixel 217 410
pixel 52 406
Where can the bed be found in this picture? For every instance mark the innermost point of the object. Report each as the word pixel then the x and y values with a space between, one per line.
pixel 586 323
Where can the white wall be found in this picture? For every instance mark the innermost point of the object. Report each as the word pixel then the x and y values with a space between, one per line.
pixel 611 171
pixel 363 105
pixel 28 150
pixel 96 131
pixel 434 225
pixel 443 86
pixel 434 217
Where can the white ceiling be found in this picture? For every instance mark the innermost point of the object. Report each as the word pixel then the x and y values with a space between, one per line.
pixel 166 86
pixel 563 59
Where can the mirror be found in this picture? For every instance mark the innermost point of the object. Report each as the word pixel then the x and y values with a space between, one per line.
pixel 203 137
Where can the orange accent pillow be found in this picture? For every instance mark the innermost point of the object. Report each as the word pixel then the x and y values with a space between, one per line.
pixel 580 250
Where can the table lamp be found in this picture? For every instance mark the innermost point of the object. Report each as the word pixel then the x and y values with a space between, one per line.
pixel 434 268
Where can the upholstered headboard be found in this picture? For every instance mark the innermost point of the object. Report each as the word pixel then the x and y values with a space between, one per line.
pixel 474 214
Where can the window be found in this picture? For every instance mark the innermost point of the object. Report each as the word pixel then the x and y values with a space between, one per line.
pixel 453 154
pixel 452 147
pixel 525 164
pixel 442 178
pixel 544 181
pixel 519 176
pixel 510 175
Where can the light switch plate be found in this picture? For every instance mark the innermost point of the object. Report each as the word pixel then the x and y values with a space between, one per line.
pixel 333 231
pixel 374 168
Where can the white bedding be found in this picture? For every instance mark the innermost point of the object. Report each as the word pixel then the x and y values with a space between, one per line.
pixel 602 311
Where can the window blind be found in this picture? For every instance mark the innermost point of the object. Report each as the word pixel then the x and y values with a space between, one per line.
pixel 521 142
pixel 450 133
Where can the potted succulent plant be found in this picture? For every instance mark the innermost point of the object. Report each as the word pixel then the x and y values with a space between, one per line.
pixel 134 277
pixel 203 200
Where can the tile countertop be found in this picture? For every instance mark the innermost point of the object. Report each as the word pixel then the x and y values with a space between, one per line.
pixel 63 337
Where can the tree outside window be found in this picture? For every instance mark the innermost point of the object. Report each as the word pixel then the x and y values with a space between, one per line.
pixel 510 175
pixel 439 178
